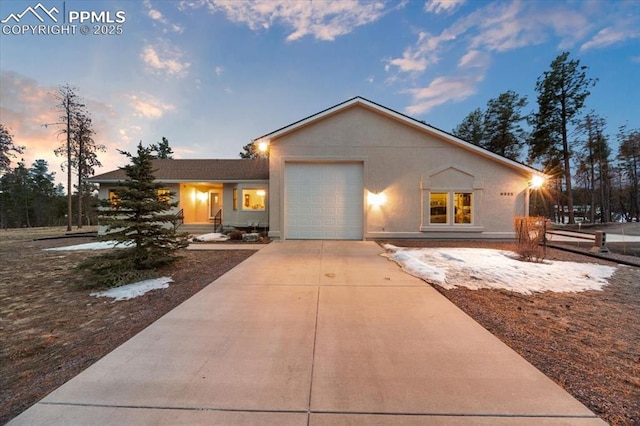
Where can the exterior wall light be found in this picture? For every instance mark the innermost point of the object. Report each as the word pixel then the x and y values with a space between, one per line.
pixel 263 147
pixel 537 182
pixel 376 199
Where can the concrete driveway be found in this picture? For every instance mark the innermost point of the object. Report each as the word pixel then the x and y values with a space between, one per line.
pixel 312 333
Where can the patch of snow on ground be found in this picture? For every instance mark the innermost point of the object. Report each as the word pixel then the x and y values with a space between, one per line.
pixel 134 290
pixel 98 245
pixel 213 236
pixel 475 268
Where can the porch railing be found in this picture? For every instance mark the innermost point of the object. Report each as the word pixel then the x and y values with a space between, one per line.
pixel 217 222
pixel 179 220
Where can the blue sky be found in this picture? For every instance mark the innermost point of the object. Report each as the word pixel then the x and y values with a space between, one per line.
pixel 211 75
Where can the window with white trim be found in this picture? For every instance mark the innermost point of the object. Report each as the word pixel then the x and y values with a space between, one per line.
pixel 254 199
pixel 451 207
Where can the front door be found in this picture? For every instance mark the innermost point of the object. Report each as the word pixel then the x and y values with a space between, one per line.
pixel 214 203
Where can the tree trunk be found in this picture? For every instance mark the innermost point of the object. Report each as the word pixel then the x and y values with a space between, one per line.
pixel 69 204
pixel 80 148
pixel 567 164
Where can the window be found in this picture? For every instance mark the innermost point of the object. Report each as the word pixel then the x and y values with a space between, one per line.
pixel 462 206
pixel 440 213
pixel 114 199
pixel 164 195
pixel 235 198
pixel 438 204
pixel 253 199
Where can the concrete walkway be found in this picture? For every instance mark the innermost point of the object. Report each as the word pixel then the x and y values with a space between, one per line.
pixel 312 333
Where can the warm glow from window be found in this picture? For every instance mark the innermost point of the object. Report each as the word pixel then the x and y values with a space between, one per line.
pixel 164 195
pixel 462 207
pixel 114 199
pixel 537 182
pixel 438 207
pixel 253 199
pixel 376 199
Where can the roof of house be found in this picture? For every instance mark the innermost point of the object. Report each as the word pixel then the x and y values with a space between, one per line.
pixel 199 170
pixel 360 101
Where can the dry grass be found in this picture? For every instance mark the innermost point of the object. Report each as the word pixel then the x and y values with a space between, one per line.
pixel 51 329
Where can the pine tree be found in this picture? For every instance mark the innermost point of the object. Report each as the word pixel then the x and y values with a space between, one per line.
pixel 8 149
pixel 502 130
pixel 164 150
pixel 562 92
pixel 629 161
pixel 498 128
pixel 84 157
pixel 140 220
pixel 472 128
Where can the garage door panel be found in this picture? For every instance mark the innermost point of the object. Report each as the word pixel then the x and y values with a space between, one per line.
pixel 323 201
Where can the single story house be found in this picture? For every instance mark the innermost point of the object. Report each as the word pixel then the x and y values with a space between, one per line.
pixel 357 170
pixel 209 192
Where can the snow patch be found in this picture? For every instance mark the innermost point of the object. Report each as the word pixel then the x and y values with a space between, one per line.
pixel 475 268
pixel 213 236
pixel 99 245
pixel 131 291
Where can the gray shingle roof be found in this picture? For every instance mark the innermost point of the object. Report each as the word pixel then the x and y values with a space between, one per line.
pixel 199 170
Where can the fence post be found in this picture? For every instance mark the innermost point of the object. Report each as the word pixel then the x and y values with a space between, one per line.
pixel 600 244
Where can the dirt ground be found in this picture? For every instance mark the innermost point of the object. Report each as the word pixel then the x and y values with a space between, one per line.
pixel 51 329
pixel 588 343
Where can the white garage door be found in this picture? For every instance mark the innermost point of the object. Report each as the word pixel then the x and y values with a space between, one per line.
pixel 323 201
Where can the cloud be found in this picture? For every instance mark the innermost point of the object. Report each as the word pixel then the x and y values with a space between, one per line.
pixel 608 36
pixel 635 59
pixel 160 19
pixel 474 59
pixel 323 20
pixel 442 6
pixel 491 28
pixel 219 70
pixel 440 91
pixel 146 106
pixel 168 63
pixel 503 27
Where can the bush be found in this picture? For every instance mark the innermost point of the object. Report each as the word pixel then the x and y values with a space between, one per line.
pixel 530 232
pixel 235 235
pixel 113 269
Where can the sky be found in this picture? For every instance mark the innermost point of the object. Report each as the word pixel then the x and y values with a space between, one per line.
pixel 212 75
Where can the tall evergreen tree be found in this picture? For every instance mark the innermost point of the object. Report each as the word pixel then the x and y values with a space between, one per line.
pixel 85 157
pixel 629 162
pixel 164 150
pixel 8 149
pixel 562 92
pixel 472 128
pixel 498 128
pixel 593 162
pixel 503 133
pixel 141 220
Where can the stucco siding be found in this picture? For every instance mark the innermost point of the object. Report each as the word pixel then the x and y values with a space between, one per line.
pixel 404 163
